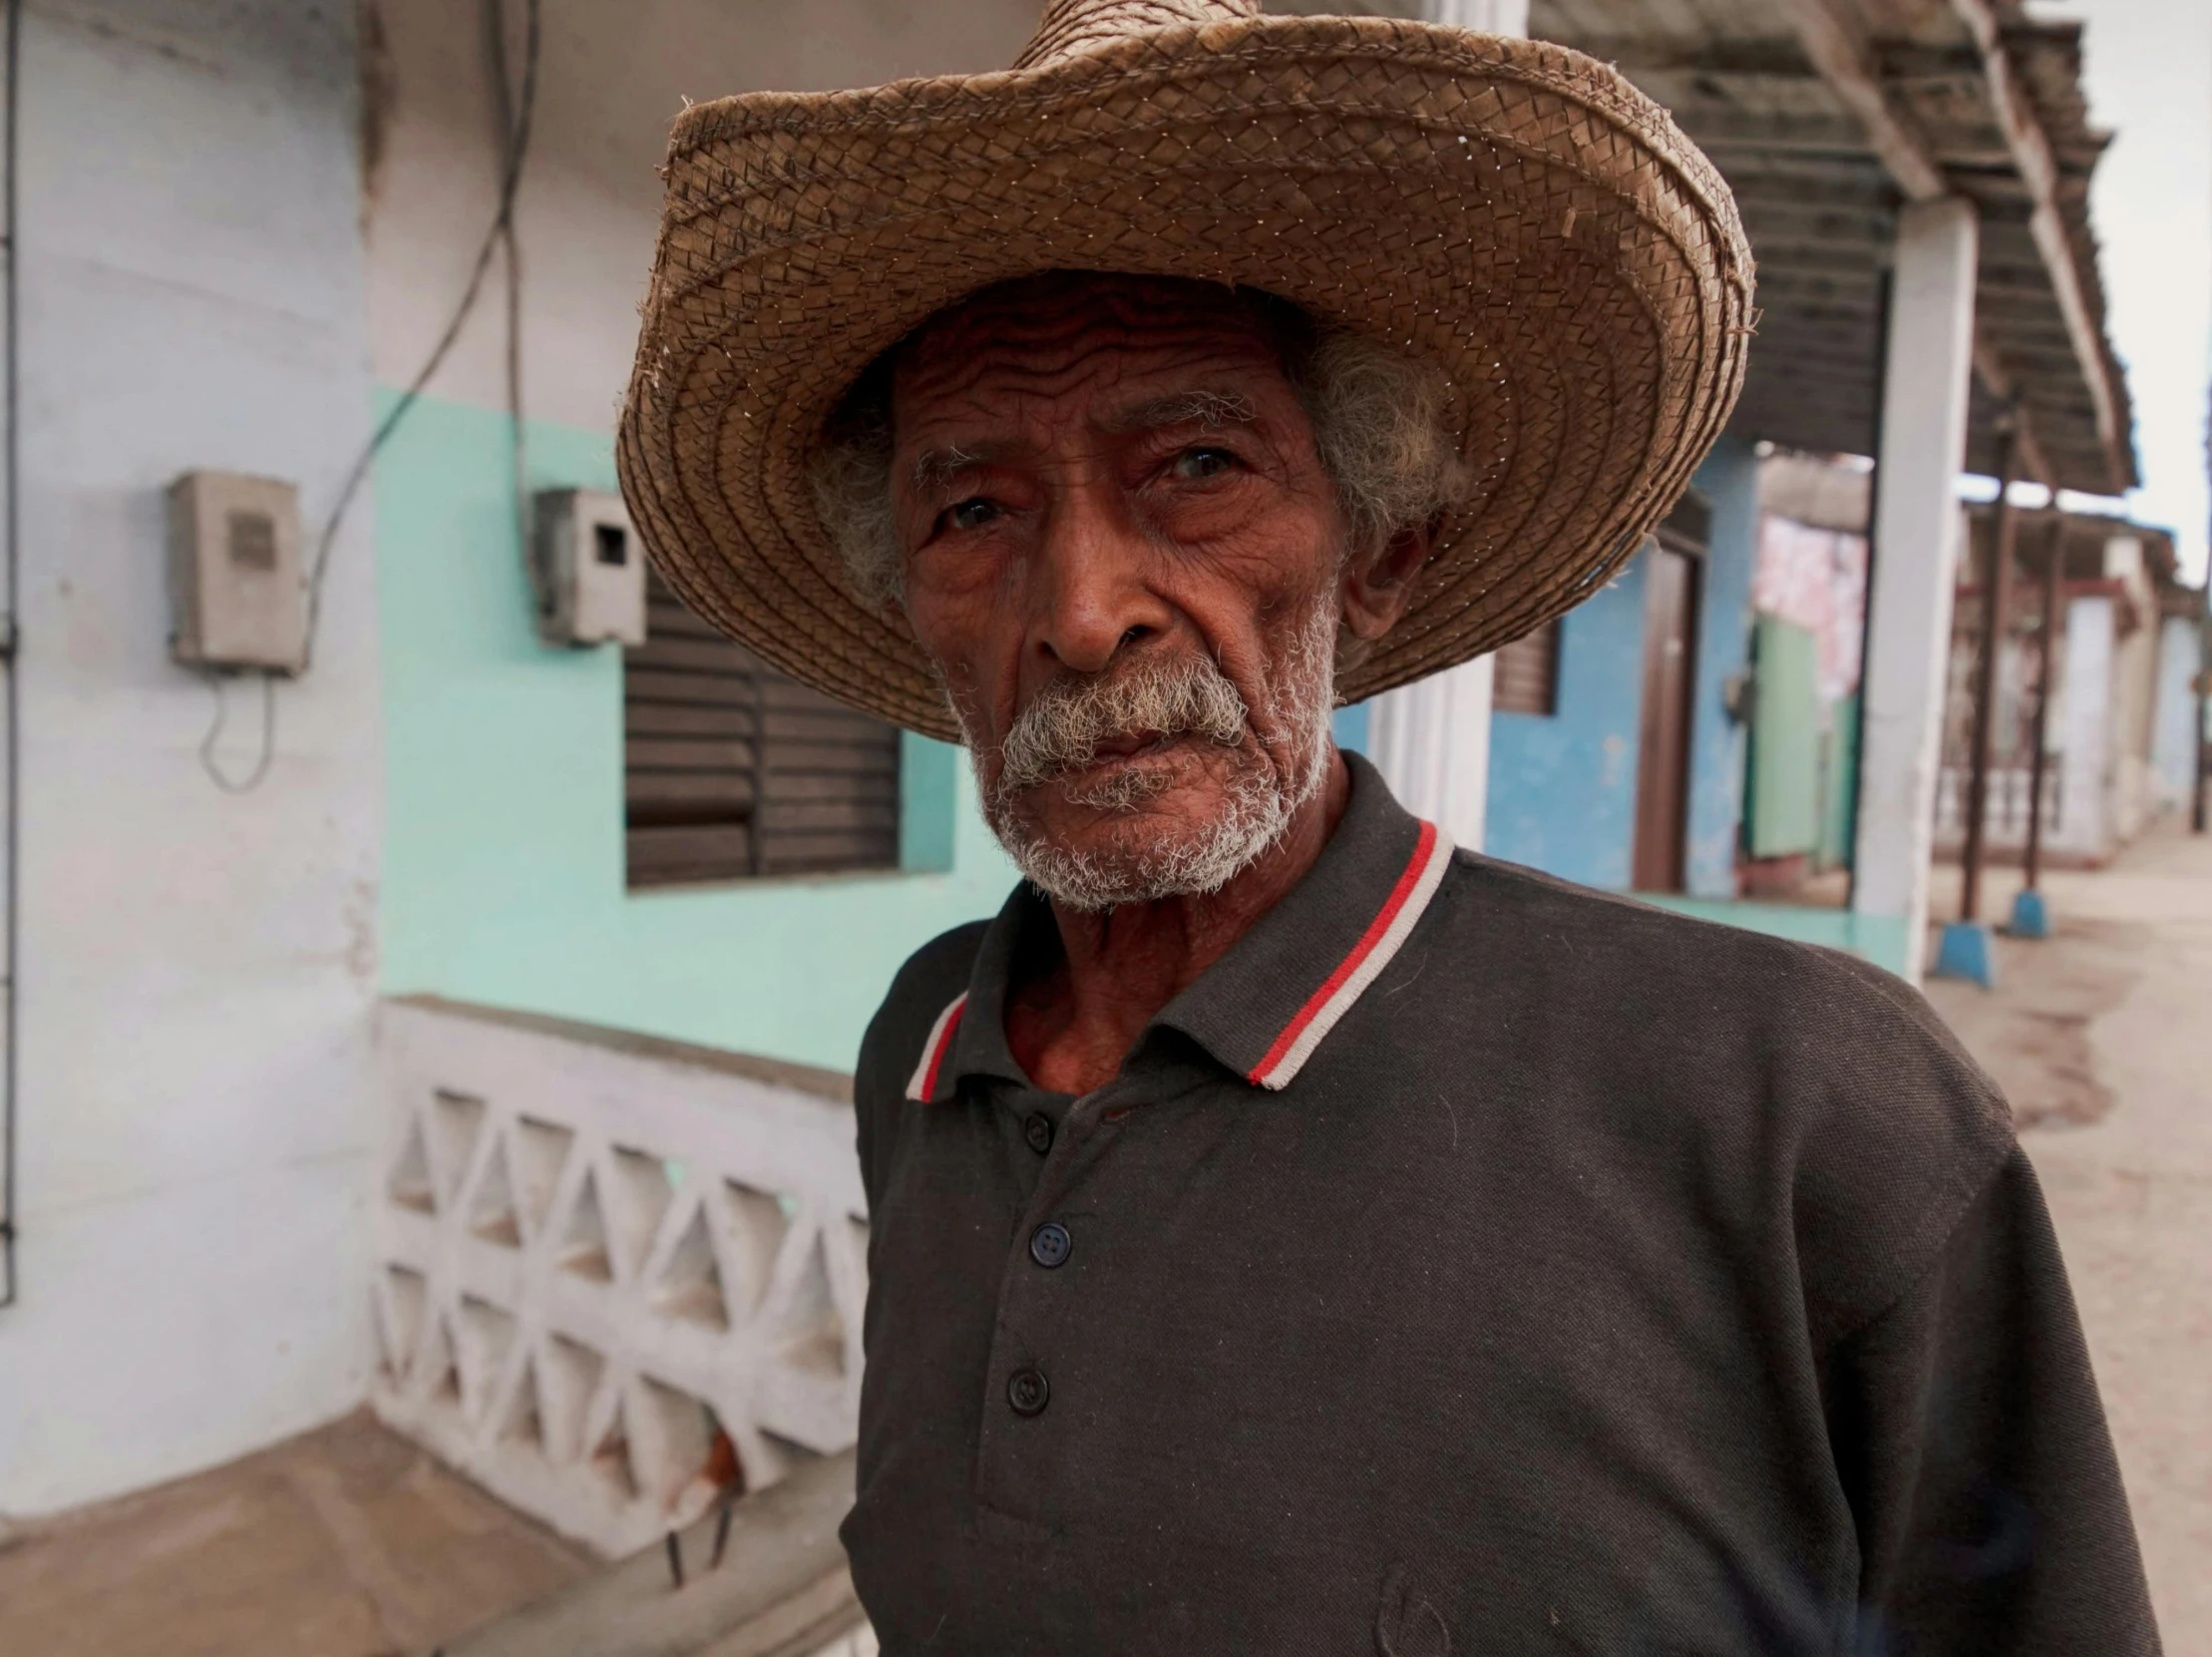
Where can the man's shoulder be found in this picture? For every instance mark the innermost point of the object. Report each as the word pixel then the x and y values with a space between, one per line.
pixel 1711 974
pixel 931 978
pixel 1750 1056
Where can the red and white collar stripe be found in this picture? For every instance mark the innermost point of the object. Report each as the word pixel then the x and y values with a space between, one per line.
pixel 1385 936
pixel 923 1085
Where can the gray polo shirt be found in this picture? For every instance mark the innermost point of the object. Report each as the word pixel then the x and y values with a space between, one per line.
pixel 1469 1263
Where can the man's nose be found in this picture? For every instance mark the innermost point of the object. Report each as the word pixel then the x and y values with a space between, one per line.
pixel 1090 595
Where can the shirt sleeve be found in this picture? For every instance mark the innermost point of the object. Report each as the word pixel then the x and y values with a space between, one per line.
pixel 1974 1449
pixel 869 1092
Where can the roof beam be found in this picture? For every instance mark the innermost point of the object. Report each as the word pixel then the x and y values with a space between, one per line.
pixel 2031 153
pixel 1766 187
pixel 1765 59
pixel 1989 368
pixel 1838 45
pixel 1717 127
pixel 1905 60
pixel 1851 286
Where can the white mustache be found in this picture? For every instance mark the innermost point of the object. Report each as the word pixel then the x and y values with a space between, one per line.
pixel 1262 781
pixel 1061 728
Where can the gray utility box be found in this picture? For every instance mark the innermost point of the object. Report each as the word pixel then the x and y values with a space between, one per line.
pixel 234 573
pixel 590 570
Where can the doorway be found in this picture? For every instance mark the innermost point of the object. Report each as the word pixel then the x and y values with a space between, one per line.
pixel 1671 566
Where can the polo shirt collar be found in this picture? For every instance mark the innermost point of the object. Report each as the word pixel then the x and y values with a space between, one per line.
pixel 969 1036
pixel 1265 1007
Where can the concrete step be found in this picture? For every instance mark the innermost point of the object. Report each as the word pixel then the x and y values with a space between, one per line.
pixel 780 1588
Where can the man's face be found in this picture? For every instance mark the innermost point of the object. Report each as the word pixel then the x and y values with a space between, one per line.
pixel 1122 552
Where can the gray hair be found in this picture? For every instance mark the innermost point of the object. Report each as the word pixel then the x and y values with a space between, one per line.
pixel 1379 427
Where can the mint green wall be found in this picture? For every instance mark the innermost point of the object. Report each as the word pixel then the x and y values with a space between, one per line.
pixel 1784 769
pixel 502 853
pixel 1876 938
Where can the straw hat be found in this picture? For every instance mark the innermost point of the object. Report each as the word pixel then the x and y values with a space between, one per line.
pixel 1513 209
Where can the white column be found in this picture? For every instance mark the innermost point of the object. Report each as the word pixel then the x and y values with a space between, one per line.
pixel 1431 739
pixel 1431 742
pixel 2085 768
pixel 1493 17
pixel 2173 744
pixel 1917 535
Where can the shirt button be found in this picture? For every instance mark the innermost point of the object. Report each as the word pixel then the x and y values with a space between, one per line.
pixel 1049 1244
pixel 1028 1391
pixel 1037 1129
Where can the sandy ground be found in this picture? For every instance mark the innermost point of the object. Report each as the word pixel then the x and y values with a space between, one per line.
pixel 2103 1038
pixel 346 1542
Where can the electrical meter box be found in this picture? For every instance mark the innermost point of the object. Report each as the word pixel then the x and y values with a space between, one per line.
pixel 590 570
pixel 234 573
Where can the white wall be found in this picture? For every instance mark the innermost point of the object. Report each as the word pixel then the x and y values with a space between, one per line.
pixel 2134 687
pixel 196 969
pixel 2174 741
pixel 611 79
pixel 2086 766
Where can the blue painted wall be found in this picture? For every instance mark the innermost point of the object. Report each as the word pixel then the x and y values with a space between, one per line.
pixel 503 850
pixel 1563 786
pixel 1729 479
pixel 1350 728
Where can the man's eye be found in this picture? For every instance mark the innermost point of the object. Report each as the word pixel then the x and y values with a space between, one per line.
pixel 1194 465
pixel 971 514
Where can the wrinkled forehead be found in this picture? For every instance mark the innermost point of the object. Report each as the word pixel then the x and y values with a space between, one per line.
pixel 1045 335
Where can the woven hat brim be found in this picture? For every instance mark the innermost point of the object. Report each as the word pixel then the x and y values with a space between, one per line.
pixel 1508 208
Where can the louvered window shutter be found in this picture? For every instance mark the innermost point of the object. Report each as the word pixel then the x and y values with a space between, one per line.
pixel 733 770
pixel 1527 673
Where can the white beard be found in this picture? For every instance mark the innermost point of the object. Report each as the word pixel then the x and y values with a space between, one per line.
pixel 1058 732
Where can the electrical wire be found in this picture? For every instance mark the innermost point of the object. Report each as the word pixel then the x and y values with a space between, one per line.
pixel 12 777
pixel 510 179
pixel 513 135
pixel 213 766
pixel 515 148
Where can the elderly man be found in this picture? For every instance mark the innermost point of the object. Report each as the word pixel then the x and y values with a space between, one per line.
pixel 1289 1234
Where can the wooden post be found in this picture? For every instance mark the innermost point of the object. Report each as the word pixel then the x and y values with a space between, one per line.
pixel 2047 656
pixel 2198 746
pixel 1431 739
pixel 1995 579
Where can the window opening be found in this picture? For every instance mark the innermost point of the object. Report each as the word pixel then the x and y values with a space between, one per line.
pixel 733 770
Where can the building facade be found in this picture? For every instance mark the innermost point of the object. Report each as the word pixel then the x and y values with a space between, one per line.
pixel 269 928
pixel 240 230
pixel 2122 666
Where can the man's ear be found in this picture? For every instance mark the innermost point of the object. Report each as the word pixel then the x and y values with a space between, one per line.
pixel 1377 586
